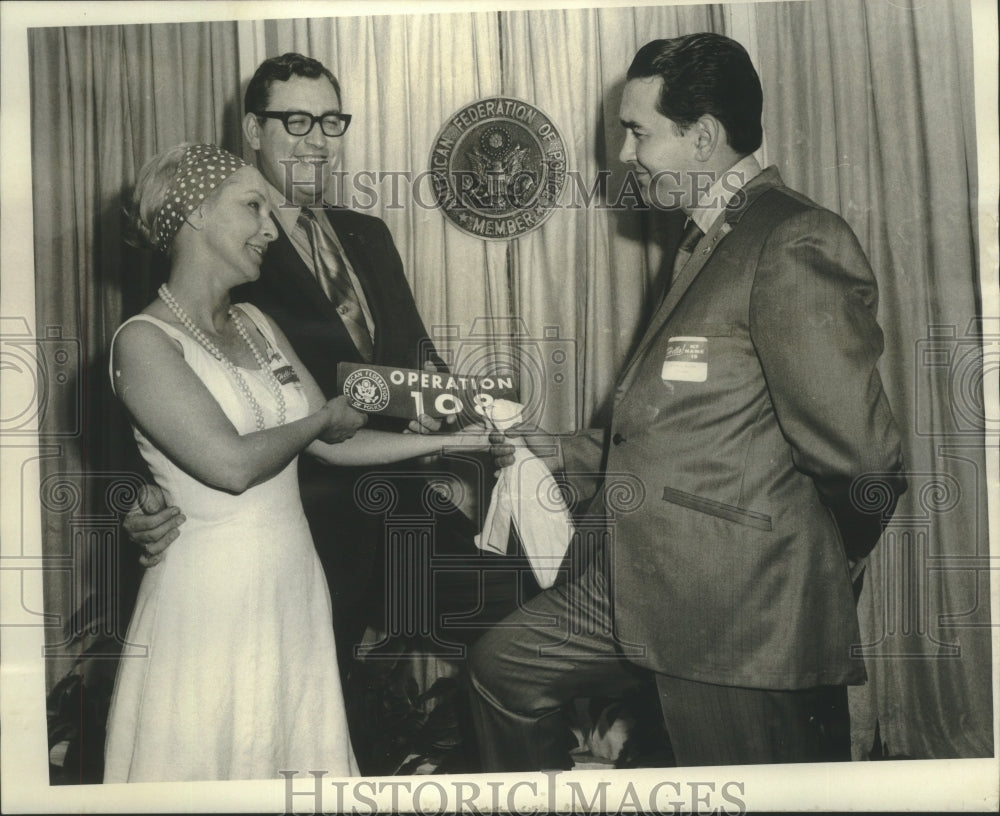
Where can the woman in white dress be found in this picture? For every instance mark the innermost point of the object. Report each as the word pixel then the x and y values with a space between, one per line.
pixel 230 670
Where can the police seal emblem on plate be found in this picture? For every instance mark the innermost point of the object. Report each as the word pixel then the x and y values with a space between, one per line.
pixel 498 167
pixel 366 390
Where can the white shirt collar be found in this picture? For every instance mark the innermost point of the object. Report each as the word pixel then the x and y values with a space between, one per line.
pixel 287 215
pixel 711 205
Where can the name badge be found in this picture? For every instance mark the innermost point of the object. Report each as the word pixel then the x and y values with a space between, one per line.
pixel 285 375
pixel 686 359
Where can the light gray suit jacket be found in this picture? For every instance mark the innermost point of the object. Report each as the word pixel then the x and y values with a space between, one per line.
pixel 733 568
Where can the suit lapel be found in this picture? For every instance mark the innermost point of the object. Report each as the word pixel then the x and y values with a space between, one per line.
pixel 290 272
pixel 292 282
pixel 678 287
pixel 741 202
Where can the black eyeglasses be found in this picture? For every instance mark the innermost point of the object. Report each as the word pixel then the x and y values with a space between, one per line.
pixel 300 123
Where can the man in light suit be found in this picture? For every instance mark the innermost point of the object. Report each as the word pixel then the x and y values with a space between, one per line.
pixel 334 282
pixel 750 407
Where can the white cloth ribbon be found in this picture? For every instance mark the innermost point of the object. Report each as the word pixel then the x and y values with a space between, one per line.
pixel 527 495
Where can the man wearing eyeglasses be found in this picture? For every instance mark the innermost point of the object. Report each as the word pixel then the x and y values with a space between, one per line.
pixel 334 282
pixel 345 262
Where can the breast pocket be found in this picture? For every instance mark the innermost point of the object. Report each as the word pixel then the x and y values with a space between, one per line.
pixel 700 352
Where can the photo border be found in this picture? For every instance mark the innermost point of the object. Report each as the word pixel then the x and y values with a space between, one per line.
pixel 966 784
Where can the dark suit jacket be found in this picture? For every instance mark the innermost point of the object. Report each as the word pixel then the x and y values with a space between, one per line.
pixel 347 538
pixel 732 569
pixel 290 294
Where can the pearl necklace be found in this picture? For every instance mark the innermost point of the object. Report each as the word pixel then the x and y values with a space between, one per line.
pixel 167 297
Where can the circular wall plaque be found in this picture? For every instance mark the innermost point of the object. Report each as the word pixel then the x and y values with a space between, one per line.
pixel 498 167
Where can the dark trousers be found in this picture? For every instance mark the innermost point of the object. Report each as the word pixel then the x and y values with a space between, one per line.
pixel 404 562
pixel 560 645
pixel 401 559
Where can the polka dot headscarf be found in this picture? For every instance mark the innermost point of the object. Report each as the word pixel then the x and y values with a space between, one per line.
pixel 202 168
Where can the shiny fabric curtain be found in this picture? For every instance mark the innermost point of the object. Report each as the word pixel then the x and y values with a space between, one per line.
pixel 878 124
pixel 103 100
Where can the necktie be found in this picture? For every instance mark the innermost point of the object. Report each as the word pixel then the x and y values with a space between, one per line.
pixel 689 240
pixel 331 272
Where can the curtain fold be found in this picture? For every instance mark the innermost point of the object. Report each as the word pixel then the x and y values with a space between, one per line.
pixel 880 128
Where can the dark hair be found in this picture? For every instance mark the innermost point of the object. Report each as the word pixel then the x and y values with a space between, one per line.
pixel 281 69
pixel 706 73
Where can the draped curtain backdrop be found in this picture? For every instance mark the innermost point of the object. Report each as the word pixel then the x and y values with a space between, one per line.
pixel 868 110
pixel 879 126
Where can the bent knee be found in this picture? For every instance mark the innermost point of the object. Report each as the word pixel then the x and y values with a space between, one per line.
pixel 486 661
pixel 493 673
pixel 500 673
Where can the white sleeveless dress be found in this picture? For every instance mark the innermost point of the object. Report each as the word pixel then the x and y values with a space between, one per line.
pixel 230 669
